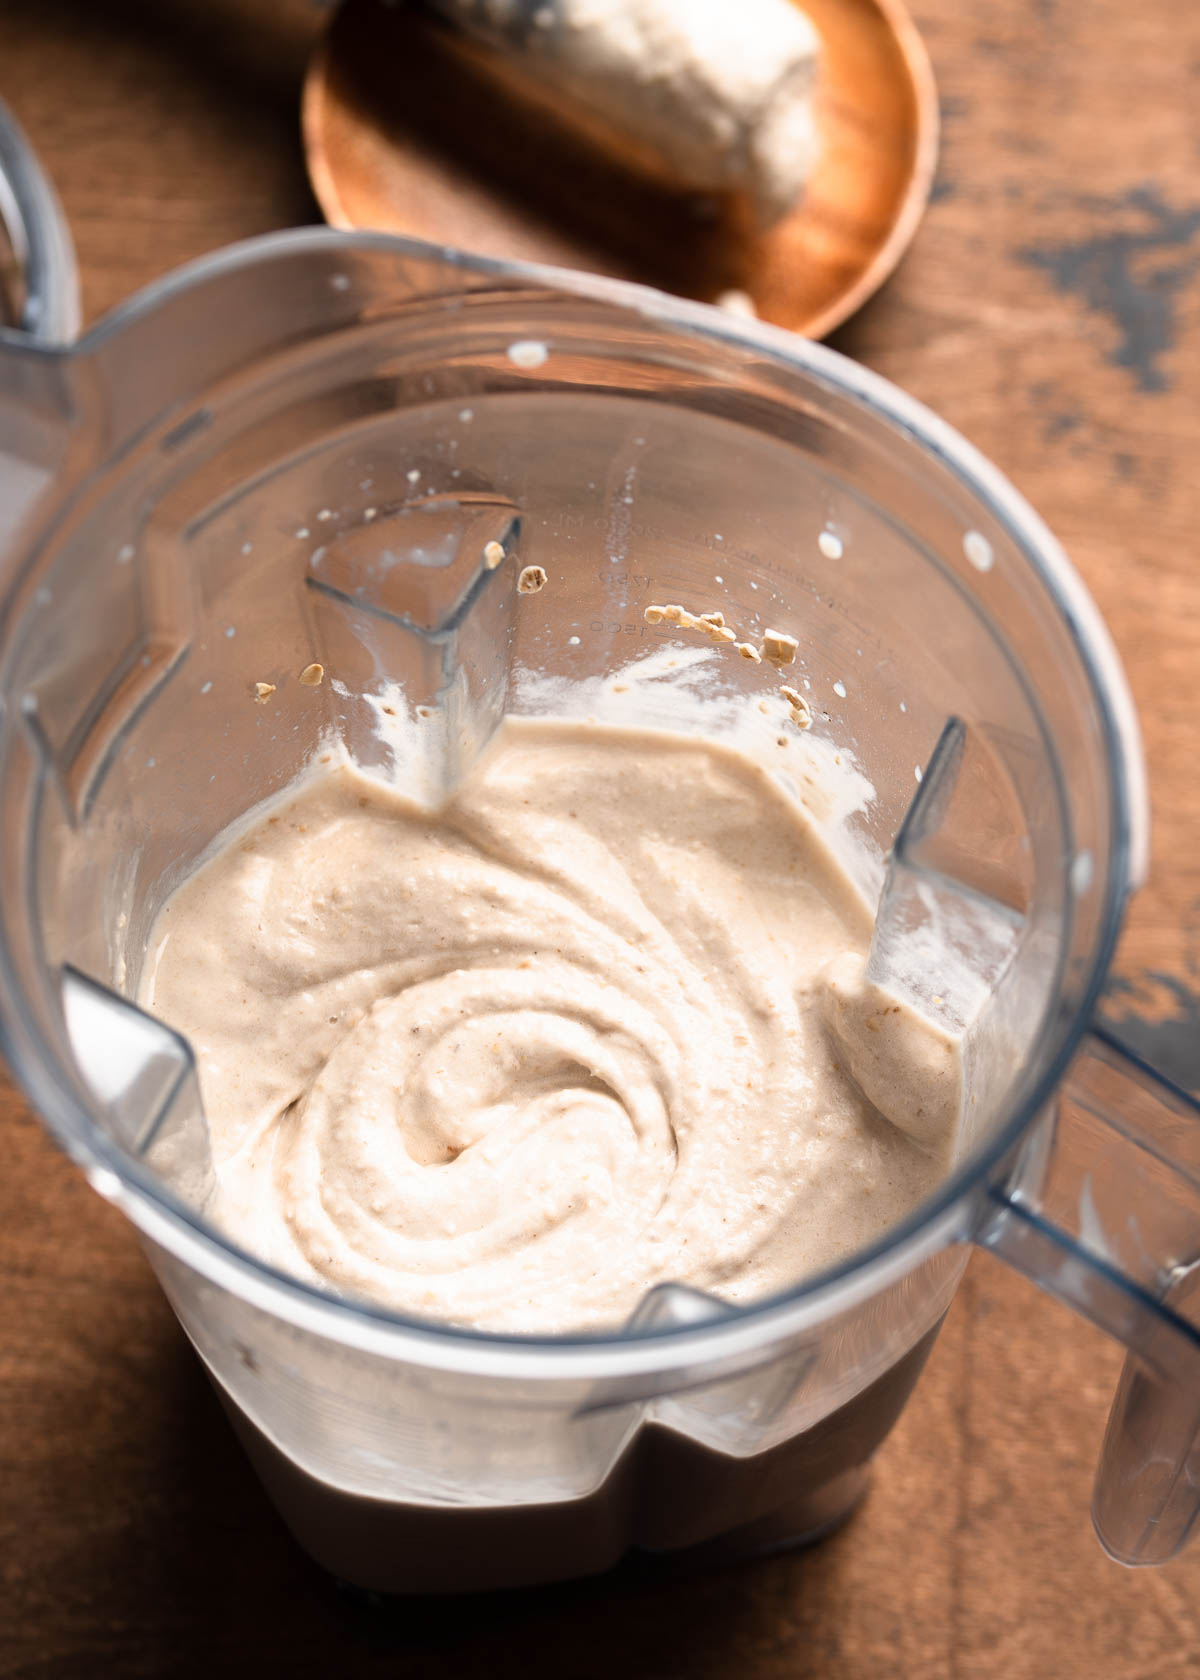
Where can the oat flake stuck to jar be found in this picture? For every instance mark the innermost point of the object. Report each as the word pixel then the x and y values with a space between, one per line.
pixel 801 712
pixel 778 647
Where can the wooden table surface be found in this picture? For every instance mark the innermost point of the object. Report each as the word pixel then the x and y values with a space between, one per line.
pixel 1051 310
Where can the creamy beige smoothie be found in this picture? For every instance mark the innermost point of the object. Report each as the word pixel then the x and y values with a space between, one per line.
pixel 598 1023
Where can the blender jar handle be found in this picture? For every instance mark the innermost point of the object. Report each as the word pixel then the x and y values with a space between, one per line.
pixel 39 316
pixel 1111 1226
pixel 42 253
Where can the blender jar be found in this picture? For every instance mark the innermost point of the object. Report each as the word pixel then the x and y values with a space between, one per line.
pixel 194 499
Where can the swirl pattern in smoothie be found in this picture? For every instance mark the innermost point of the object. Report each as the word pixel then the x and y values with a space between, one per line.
pixel 511 1063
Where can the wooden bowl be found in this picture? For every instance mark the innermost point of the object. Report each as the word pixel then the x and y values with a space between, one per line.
pixel 405 133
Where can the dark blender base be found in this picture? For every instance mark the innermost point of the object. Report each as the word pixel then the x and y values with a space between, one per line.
pixel 668 1496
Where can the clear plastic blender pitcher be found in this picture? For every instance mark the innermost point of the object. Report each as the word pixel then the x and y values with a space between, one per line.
pixel 192 499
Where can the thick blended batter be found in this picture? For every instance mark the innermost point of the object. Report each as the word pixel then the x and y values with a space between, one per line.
pixel 588 1028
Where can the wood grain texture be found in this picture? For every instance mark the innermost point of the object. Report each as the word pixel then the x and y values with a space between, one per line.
pixel 1051 309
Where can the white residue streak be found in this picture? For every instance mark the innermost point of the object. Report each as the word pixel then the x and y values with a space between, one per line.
pixel 528 353
pixel 1091 1226
pixel 736 302
pixel 978 551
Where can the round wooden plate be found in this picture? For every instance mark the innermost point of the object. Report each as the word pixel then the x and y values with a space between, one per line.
pixel 405 133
